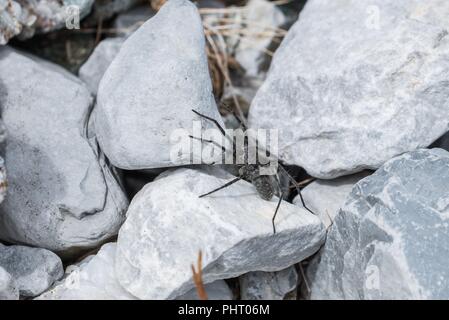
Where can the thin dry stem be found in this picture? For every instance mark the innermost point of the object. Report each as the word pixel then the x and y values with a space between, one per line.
pixel 303 275
pixel 99 30
pixel 303 183
pixel 223 67
pixel 330 218
pixel 281 2
pixel 198 278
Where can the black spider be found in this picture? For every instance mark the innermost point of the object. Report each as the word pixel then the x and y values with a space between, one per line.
pixel 266 185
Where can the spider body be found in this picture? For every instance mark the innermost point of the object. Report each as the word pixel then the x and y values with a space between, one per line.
pixel 266 185
pixel 262 183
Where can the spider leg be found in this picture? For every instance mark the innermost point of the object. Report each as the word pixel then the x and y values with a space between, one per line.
pixel 243 125
pixel 223 132
pixel 210 141
pixel 276 212
pixel 281 196
pixel 222 187
pixel 211 119
pixel 296 186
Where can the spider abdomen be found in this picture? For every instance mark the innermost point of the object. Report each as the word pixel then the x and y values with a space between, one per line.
pixel 264 187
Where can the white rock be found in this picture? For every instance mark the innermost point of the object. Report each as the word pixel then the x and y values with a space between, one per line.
pixel 390 239
pixel 217 290
pixel 34 270
pixel 326 197
pixel 151 87
pixel 95 278
pixel 8 288
pixel 61 195
pixel 167 224
pixel 268 285
pixel 93 69
pixel 356 83
pixel 92 279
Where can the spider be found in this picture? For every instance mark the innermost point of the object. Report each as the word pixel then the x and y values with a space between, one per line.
pixel 266 185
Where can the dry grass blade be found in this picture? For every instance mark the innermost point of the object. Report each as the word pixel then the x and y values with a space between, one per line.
pixel 233 23
pixel 198 278
pixel 303 275
pixel 281 2
pixel 229 10
pixel 222 63
pixel 302 183
pixel 99 30
pixel 330 219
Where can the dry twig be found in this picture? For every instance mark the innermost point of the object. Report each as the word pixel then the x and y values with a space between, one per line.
pixel 198 278
pixel 303 275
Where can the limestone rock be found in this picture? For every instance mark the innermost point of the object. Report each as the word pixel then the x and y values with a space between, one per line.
pixel 61 194
pixel 34 270
pixel 389 241
pixel 151 87
pixel 167 224
pixel 355 83
pixel 326 197
pixel 8 288
pixel 94 278
pixel 93 69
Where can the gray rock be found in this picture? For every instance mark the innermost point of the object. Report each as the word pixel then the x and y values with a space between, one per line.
pixel 128 22
pixel 61 195
pixel 352 91
pixel 24 18
pixel 93 69
pixel 326 197
pixel 217 290
pixel 390 239
pixel 268 285
pixel 149 90
pixel 167 224
pixel 34 270
pixel 8 288
pixel 94 278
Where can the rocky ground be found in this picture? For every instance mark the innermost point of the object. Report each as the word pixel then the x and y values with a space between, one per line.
pixel 94 207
